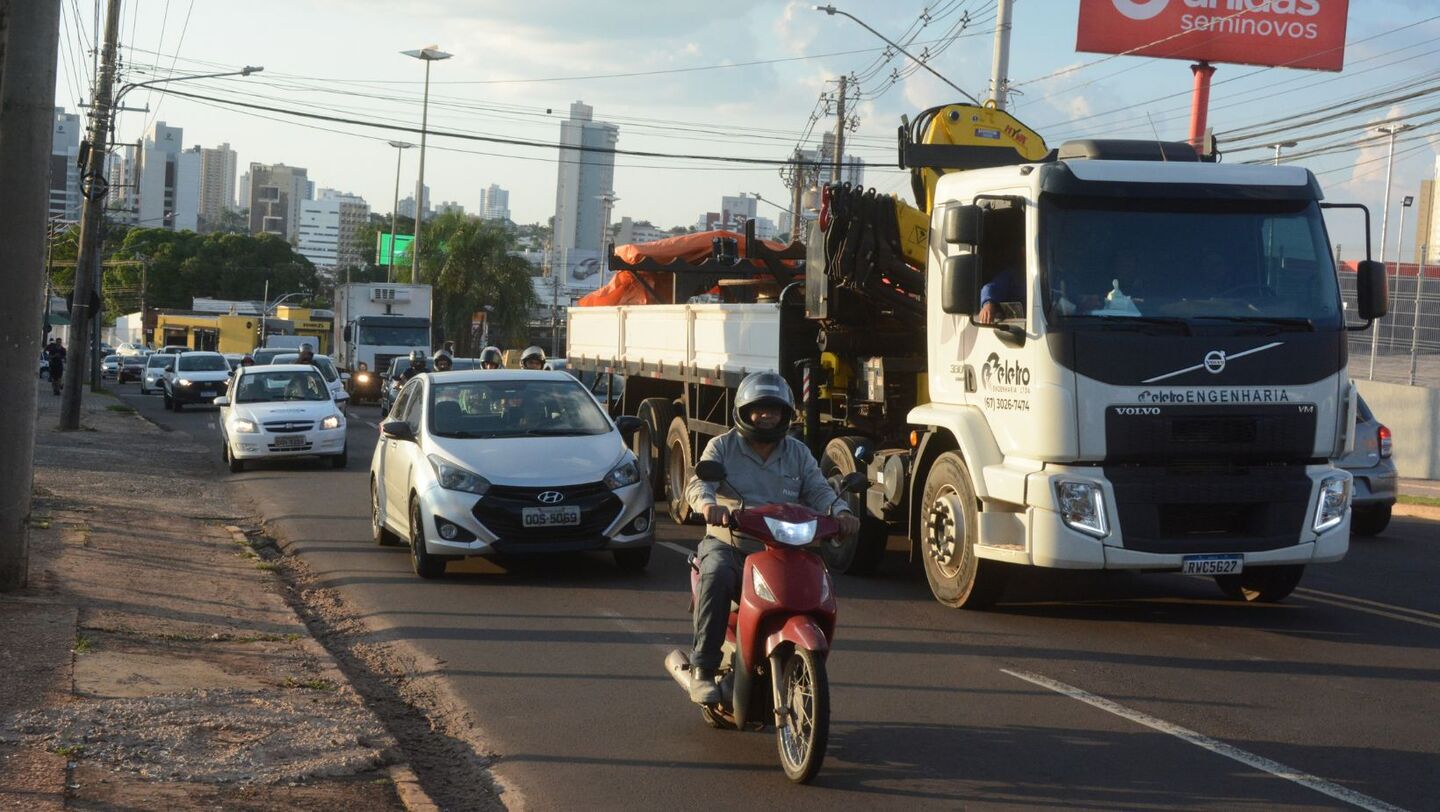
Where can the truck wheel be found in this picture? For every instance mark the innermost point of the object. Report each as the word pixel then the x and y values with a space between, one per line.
pixel 649 445
pixel 1262 584
pixel 678 469
pixel 1370 521
pixel 862 553
pixel 949 523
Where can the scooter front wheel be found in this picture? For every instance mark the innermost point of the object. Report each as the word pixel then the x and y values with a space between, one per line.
pixel 804 728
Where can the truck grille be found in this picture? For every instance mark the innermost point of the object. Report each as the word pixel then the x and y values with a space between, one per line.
pixel 1210 508
pixel 1165 434
pixel 382 363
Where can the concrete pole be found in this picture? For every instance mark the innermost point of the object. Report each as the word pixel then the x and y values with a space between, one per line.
pixel 1391 130
pixel 797 194
pixel 1000 59
pixel 29 48
pixel 1415 326
pixel 420 181
pixel 92 214
pixel 839 133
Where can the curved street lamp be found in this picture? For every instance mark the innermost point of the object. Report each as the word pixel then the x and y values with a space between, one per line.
pixel 428 54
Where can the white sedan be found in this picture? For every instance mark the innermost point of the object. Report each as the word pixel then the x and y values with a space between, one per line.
pixel 507 461
pixel 273 411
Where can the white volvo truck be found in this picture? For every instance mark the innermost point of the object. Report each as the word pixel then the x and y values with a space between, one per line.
pixel 1163 387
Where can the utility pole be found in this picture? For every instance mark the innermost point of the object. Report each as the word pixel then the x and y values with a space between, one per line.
pixel 87 264
pixel 1415 325
pixel 1391 130
pixel 29 47
pixel 840 132
pixel 1000 59
pixel 797 197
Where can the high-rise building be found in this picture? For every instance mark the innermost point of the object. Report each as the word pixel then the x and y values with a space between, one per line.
pixel 1427 222
pixel 407 205
pixel 852 168
pixel 276 191
pixel 166 180
pixel 450 207
pixel 329 229
pixel 217 184
pixel 634 232
pixel 64 170
pixel 243 190
pixel 735 210
pixel 494 203
pixel 584 181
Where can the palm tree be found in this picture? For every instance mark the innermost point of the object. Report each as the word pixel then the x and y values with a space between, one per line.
pixel 468 263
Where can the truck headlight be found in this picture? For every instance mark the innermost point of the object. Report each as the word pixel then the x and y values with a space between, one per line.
pixel 454 478
pixel 1082 507
pixel 244 426
pixel 623 474
pixel 331 422
pixel 1334 499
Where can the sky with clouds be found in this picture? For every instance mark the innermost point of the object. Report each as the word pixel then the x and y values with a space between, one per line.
pixel 741 78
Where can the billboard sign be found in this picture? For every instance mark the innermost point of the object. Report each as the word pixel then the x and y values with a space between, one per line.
pixel 1277 33
pixel 402 248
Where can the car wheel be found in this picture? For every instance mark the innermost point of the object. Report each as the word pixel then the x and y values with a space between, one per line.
pixel 425 564
pixel 1370 521
pixel 340 460
pixel 235 464
pixel 379 533
pixel 1262 584
pixel 633 560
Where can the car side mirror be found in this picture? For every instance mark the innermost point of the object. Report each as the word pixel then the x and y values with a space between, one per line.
pixel 855 483
pixel 222 401
pixel 960 284
pixel 1372 290
pixel 345 377
pixel 963 225
pixel 341 397
pixel 628 425
pixel 710 471
pixel 397 430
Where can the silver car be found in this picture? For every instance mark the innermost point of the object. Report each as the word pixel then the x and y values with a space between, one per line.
pixel 152 379
pixel 507 461
pixel 1376 482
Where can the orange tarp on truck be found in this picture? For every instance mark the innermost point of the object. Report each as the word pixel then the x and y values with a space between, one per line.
pixel 625 289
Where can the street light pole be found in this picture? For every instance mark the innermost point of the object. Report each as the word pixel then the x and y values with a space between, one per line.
pixel 832 11
pixel 400 147
pixel 607 202
pixel 428 54
pixel 1277 146
pixel 1392 130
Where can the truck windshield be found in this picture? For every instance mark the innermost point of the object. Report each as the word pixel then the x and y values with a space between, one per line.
pixel 1190 261
pixel 391 336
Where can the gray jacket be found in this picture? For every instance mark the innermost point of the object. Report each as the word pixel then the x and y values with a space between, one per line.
pixel 789 475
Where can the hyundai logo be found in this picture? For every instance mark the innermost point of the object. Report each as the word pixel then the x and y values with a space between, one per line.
pixel 551 497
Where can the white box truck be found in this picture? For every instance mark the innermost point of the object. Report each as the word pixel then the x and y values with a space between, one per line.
pixel 376 322
pixel 1163 389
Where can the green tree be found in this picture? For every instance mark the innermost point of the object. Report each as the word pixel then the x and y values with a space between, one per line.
pixel 468 263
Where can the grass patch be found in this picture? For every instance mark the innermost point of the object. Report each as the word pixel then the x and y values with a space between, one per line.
pixel 313 684
pixel 121 407
pixel 70 750
pixel 40 522
pixel 1428 501
pixel 266 566
pixel 82 645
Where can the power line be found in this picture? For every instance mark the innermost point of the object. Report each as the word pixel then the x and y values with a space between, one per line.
pixel 180 43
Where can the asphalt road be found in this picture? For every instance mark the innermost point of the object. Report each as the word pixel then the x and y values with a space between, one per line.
pixel 1080 690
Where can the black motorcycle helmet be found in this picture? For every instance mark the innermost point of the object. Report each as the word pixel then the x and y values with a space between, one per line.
pixel 491 358
pixel 764 388
pixel 442 362
pixel 417 359
pixel 533 353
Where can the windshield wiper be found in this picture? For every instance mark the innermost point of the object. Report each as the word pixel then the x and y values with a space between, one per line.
pixel 1297 323
pixel 556 432
pixel 1121 322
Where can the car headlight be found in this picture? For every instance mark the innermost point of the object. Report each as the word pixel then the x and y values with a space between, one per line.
pixel 626 473
pixel 794 533
pixel 762 589
pixel 244 426
pixel 1082 507
pixel 454 478
pixel 362 377
pixel 331 422
pixel 1334 499
pixel 184 382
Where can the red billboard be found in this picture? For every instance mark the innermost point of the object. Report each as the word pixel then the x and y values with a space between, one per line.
pixel 1281 33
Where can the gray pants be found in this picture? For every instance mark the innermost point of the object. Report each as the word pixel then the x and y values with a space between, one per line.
pixel 721 568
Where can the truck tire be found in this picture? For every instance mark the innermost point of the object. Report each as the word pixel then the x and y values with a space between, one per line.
pixel 1370 521
pixel 949 523
pixel 1262 584
pixel 862 553
pixel 649 443
pixel 678 469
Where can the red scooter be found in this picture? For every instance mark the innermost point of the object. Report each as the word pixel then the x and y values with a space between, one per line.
pixel 779 634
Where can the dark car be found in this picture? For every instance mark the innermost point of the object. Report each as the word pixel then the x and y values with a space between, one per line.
pixel 132 368
pixel 1375 479
pixel 267 355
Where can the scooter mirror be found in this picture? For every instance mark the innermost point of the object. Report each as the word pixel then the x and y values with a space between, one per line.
pixel 710 471
pixel 855 483
pixel 864 454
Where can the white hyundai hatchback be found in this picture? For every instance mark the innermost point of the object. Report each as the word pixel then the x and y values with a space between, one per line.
pixel 507 461
pixel 272 412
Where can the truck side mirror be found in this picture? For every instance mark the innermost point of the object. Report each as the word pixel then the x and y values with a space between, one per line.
pixel 1372 289
pixel 963 225
pixel 960 284
pixel 346 333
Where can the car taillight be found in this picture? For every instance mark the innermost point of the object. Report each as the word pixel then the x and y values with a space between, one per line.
pixel 1383 435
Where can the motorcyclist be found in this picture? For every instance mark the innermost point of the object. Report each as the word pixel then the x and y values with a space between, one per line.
pixel 307 356
pixel 763 465
pixel 491 358
pixel 532 358
pixel 417 366
pixel 442 361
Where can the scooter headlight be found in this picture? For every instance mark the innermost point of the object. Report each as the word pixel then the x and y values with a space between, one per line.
pixel 796 534
pixel 762 589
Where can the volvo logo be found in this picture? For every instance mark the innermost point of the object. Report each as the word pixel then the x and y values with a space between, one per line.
pixel 551 497
pixel 1215 362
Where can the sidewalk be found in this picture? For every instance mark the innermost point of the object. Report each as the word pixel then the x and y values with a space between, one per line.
pixel 153 662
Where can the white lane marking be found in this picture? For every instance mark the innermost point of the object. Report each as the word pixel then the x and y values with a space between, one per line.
pixel 1377 604
pixel 1245 757
pixel 1344 602
pixel 679 548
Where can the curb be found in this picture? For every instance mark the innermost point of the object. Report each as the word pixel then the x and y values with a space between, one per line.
pixel 1426 512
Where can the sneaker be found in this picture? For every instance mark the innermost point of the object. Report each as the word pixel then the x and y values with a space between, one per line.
pixel 703 690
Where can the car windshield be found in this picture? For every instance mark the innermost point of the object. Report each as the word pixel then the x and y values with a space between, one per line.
pixel 1190 261
pixel 133 361
pixel 393 336
pixel 263 387
pixel 322 363
pixel 202 363
pixel 158 360
pixel 268 356
pixel 513 408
